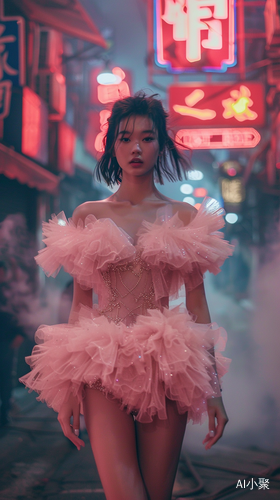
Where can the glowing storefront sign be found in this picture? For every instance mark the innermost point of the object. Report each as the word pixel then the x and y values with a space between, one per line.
pixel 218 138
pixel 221 104
pixel 108 94
pixel 34 136
pixel 12 69
pixel 232 190
pixel 194 34
pixel 26 126
pixel 103 94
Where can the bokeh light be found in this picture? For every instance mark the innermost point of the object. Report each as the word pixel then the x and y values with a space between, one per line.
pixel 186 189
pixel 195 175
pixel 200 192
pixel 189 199
pixel 108 79
pixel 231 218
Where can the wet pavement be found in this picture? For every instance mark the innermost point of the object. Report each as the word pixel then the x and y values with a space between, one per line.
pixel 38 462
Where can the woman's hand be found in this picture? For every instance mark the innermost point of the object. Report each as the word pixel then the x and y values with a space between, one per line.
pixel 216 411
pixel 69 409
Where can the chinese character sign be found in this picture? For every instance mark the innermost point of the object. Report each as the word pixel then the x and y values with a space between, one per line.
pixel 104 94
pixel 194 34
pixel 109 94
pixel 238 104
pixel 218 138
pixel 11 58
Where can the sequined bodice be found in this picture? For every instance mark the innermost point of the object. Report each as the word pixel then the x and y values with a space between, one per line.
pixel 131 277
pixel 131 291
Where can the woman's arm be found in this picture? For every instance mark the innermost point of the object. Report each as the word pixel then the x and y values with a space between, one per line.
pixel 197 305
pixel 71 408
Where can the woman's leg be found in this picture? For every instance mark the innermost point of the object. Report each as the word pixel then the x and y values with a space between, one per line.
pixel 113 441
pixel 159 445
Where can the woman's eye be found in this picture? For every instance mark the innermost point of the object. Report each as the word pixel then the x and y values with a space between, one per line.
pixel 148 139
pixel 124 139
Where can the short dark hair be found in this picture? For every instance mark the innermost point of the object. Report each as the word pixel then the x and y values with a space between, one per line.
pixel 142 105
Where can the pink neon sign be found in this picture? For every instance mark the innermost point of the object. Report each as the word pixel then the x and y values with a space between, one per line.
pixel 219 138
pixel 194 34
pixel 104 94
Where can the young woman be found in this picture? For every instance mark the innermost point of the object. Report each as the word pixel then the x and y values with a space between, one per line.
pixel 136 369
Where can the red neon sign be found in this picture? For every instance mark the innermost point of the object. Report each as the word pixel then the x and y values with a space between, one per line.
pixel 34 132
pixel 194 34
pixel 103 94
pixel 219 138
pixel 31 117
pixel 223 104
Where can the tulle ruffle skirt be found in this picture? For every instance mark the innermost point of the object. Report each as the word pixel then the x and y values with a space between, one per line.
pixel 163 355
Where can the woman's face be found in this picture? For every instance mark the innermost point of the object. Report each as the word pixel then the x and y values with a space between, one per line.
pixel 136 147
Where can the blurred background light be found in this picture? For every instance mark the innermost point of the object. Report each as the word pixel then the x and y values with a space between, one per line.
pixel 195 175
pixel 197 206
pixel 231 171
pixel 108 78
pixel 189 199
pixel 231 218
pixel 186 189
pixel 200 192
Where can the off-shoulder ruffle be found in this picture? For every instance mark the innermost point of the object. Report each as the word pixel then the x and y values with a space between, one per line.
pixel 162 354
pixel 181 254
pixel 83 250
pixel 177 254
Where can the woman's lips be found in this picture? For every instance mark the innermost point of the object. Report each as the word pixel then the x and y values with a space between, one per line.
pixel 136 160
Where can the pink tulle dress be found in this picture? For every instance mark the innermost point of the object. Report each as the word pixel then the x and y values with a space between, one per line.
pixel 132 346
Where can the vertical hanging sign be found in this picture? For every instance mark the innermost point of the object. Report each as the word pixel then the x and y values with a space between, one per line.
pixel 12 64
pixel 104 94
pixel 192 35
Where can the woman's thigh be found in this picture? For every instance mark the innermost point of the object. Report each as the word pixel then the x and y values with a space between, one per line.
pixel 112 437
pixel 159 445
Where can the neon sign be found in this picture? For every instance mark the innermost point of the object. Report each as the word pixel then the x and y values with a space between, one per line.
pixel 103 94
pixel 238 105
pixel 218 138
pixel 108 94
pixel 194 34
pixel 223 105
pixel 32 110
pixel 12 69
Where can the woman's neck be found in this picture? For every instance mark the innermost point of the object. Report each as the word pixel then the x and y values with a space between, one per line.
pixel 136 190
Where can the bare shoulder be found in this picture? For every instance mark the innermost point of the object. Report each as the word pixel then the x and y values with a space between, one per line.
pixel 186 212
pixel 96 208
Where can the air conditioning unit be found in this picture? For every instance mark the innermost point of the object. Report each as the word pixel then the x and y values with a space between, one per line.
pixel 52 88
